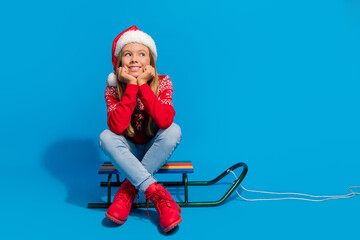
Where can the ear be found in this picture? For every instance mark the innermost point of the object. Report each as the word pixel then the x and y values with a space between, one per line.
pixel 111 80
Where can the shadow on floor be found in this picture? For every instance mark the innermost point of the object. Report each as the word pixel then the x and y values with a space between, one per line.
pixel 142 215
pixel 75 163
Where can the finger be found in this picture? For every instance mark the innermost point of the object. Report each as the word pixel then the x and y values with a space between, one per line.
pixel 125 69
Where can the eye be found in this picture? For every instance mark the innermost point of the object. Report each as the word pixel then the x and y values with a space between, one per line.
pixel 142 54
pixel 126 54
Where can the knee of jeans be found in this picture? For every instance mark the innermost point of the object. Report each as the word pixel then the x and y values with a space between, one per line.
pixel 175 132
pixel 107 139
pixel 104 137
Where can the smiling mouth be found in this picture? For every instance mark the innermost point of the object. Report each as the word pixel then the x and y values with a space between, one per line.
pixel 134 69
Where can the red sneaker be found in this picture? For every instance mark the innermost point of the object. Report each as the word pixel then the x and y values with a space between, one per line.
pixel 169 211
pixel 119 210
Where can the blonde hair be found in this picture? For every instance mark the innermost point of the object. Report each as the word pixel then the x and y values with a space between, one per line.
pixel 148 123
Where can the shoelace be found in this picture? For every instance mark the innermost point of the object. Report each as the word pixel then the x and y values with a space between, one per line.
pixel 161 199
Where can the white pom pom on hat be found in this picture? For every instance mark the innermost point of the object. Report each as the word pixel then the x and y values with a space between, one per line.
pixel 111 80
pixel 130 35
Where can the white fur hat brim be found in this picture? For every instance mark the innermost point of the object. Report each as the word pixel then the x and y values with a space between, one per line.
pixel 138 37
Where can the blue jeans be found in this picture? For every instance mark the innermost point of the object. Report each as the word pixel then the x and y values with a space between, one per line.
pixel 139 162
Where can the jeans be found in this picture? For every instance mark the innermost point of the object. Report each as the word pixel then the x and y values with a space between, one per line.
pixel 139 162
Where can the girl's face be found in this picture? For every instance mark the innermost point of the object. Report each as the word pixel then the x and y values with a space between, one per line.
pixel 135 56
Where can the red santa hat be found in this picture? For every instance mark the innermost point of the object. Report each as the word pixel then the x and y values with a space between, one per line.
pixel 130 35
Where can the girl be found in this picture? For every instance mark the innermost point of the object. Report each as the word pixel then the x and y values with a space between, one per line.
pixel 141 135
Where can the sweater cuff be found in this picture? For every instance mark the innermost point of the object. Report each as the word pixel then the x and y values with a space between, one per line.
pixel 144 90
pixel 131 89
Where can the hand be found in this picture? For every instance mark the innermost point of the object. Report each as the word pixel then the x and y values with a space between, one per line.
pixel 148 74
pixel 125 77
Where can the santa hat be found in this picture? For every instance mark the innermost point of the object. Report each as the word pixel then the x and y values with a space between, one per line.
pixel 130 35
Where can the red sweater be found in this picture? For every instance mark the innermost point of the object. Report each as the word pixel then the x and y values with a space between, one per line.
pixel 135 102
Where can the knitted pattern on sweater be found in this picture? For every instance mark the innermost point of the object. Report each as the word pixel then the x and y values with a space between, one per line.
pixel 135 102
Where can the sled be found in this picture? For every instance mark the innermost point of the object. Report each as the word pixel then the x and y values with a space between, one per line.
pixel 172 167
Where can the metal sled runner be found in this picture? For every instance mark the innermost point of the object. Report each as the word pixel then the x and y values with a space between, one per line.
pixel 183 167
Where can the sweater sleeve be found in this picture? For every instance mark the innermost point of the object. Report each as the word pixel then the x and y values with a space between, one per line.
pixel 159 107
pixel 119 112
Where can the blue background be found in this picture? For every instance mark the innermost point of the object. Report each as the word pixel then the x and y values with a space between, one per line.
pixel 274 84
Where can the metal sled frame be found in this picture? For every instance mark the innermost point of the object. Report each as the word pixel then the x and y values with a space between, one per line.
pixel 184 183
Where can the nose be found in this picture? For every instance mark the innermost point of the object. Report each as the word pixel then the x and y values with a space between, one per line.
pixel 134 59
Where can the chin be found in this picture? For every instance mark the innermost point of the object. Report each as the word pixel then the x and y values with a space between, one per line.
pixel 135 74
